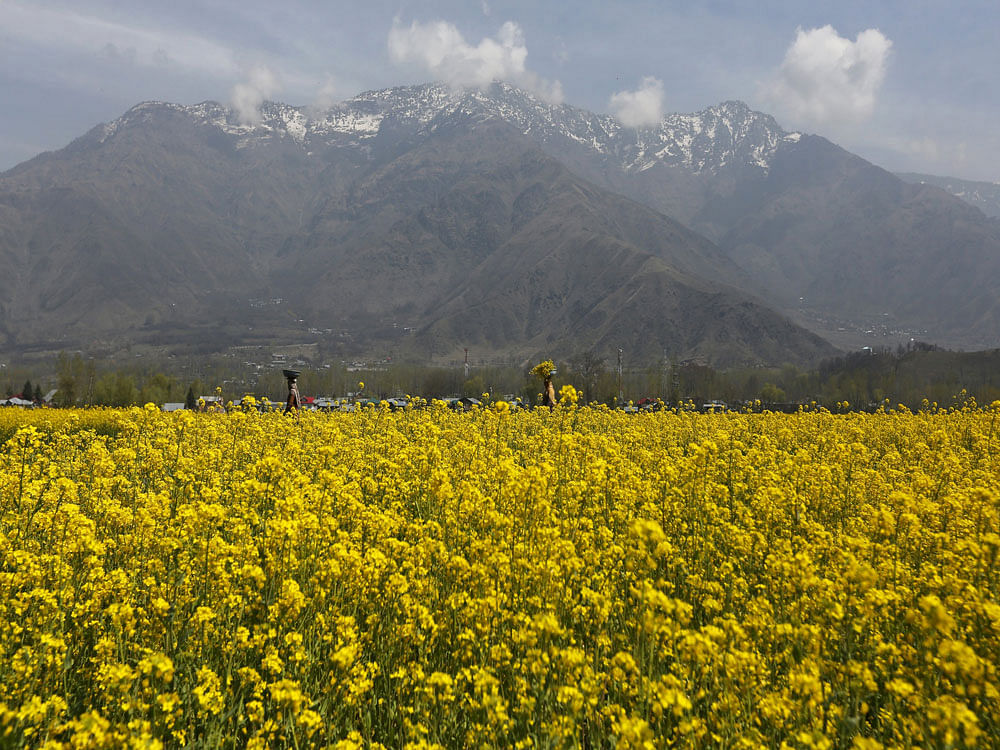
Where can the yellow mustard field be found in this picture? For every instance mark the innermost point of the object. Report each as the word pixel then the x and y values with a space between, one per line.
pixel 575 578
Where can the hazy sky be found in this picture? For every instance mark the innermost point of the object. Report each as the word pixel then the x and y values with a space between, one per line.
pixel 908 84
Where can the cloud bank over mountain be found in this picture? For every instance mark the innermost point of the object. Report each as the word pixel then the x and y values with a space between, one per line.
pixel 828 78
pixel 642 107
pixel 440 48
pixel 260 85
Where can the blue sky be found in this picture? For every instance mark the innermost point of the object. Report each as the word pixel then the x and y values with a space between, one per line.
pixel 908 84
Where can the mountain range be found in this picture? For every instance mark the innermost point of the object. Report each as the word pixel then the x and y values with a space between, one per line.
pixel 424 220
pixel 983 195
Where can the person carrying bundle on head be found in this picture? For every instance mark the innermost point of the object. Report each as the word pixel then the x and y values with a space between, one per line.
pixel 545 370
pixel 293 403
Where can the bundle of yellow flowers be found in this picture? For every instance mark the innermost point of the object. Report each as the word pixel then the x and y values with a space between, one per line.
pixel 544 369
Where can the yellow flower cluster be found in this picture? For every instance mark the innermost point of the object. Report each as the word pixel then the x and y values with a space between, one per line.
pixel 543 369
pixel 574 578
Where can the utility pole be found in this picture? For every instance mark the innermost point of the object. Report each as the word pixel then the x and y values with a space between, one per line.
pixel 466 363
pixel 675 383
pixel 621 393
pixel 666 373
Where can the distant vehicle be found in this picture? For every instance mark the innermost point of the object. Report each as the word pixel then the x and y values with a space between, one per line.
pixel 715 406
pixel 650 404
pixel 461 404
pixel 325 403
pixel 514 401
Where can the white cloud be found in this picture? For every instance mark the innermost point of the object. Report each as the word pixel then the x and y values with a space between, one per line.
pixel 326 97
pixel 828 78
pixel 642 107
pixel 248 95
pixel 439 48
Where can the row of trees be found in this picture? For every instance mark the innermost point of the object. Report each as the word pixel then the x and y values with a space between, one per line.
pixel 864 379
pixel 79 382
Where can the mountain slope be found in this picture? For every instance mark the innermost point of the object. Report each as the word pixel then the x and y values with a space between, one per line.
pixel 809 219
pixel 553 261
pixel 188 213
pixel 179 224
pixel 983 195
pixel 855 242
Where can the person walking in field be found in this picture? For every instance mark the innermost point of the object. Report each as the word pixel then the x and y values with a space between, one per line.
pixel 293 403
pixel 549 394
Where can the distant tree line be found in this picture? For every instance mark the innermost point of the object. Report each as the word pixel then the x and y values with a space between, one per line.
pixel 81 382
pixel 865 379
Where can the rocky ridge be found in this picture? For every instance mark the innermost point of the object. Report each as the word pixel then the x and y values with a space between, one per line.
pixel 719 136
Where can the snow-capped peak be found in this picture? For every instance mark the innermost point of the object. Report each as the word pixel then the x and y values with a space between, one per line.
pixel 728 134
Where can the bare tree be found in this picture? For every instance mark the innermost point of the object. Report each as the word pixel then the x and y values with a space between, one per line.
pixel 589 366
